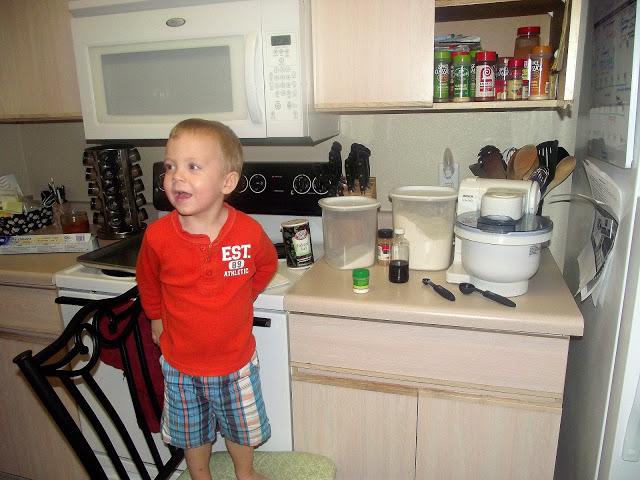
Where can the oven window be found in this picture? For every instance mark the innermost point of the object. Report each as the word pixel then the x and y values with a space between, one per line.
pixel 168 82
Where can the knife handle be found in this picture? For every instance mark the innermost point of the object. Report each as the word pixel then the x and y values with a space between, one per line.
pixel 498 298
pixel 443 292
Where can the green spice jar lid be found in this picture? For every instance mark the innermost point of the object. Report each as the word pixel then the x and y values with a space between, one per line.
pixel 442 55
pixel 463 59
pixel 361 274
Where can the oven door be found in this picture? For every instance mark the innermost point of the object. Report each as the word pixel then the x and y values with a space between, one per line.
pixel 271 333
pixel 142 72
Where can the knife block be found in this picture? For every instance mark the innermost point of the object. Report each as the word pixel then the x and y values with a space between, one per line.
pixel 369 192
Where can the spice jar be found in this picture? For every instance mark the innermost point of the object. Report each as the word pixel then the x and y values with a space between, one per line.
pixel 385 237
pixel 472 74
pixel 360 280
pixel 514 82
pixel 528 37
pixel 502 75
pixel 485 83
pixel 441 61
pixel 453 57
pixel 539 68
pixel 461 72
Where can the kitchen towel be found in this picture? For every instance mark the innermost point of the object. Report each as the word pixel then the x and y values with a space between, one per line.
pixel 111 356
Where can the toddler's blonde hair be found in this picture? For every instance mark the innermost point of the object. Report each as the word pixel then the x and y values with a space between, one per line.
pixel 229 143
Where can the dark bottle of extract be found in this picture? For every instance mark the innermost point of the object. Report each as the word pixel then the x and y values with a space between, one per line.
pixel 399 265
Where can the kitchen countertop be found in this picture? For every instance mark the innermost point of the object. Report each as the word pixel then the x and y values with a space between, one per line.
pixel 36 269
pixel 548 307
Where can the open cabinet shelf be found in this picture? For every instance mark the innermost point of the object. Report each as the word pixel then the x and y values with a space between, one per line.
pixel 386 63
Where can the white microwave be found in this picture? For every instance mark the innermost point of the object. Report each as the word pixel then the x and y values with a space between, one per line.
pixel 144 65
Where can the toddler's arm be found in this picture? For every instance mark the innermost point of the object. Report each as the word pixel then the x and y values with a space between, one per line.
pixel 266 265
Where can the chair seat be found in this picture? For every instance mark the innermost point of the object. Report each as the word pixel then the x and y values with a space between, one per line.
pixel 275 466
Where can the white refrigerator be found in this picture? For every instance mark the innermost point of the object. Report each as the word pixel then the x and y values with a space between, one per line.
pixel 600 430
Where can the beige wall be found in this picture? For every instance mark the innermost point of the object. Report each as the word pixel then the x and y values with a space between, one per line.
pixel 406 149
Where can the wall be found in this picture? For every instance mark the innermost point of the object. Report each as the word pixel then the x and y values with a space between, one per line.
pixel 406 149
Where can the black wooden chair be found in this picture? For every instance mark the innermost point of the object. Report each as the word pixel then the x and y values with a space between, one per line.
pixel 100 326
pixel 113 326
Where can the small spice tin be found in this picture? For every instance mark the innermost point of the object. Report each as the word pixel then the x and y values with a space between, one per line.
pixel 296 235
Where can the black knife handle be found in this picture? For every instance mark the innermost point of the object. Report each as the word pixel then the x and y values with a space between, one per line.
pixel 443 292
pixel 498 298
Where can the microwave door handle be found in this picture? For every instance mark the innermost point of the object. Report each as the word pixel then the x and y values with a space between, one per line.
pixel 250 80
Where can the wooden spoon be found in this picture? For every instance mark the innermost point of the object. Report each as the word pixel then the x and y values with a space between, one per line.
pixel 525 161
pixel 564 168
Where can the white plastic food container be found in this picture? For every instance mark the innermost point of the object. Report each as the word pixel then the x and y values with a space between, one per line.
pixel 349 225
pixel 427 215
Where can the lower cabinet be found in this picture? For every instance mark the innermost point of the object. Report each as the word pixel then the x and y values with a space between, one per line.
pixel 32 445
pixel 368 434
pixel 478 438
pixel 394 401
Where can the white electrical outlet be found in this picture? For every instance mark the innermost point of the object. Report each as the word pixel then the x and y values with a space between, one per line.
pixel 448 175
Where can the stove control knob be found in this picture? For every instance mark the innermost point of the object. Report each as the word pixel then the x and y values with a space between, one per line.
pixel 98 218
pixel 257 183
pixel 301 184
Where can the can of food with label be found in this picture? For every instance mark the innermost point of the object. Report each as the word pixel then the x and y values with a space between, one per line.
pixel 296 235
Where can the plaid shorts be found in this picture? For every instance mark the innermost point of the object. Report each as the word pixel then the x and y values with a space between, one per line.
pixel 196 407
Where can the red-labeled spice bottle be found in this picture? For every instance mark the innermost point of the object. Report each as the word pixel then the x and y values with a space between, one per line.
pixel 485 84
pixel 514 83
pixel 502 75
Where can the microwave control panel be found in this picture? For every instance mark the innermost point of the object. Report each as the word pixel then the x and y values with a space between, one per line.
pixel 282 77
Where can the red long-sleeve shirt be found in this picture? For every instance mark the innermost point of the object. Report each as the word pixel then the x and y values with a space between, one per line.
pixel 204 291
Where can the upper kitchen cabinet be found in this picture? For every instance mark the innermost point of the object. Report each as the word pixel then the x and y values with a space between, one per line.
pixel 38 74
pixel 372 55
pixel 378 55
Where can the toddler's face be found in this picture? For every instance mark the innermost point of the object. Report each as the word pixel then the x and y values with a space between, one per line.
pixel 195 181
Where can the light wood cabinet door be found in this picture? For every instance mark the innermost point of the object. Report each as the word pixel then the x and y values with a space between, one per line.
pixel 32 445
pixel 38 74
pixel 372 54
pixel 467 438
pixel 369 434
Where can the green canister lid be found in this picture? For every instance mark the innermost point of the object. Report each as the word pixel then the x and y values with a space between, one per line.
pixel 464 59
pixel 442 55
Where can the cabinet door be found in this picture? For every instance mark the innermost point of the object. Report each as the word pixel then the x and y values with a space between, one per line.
pixel 470 438
pixel 38 75
pixel 33 447
pixel 368 434
pixel 373 55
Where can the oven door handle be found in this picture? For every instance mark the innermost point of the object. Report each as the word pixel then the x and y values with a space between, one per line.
pixel 261 322
pixel 81 302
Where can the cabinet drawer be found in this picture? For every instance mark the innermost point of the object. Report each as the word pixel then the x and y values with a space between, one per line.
pixel 455 356
pixel 31 310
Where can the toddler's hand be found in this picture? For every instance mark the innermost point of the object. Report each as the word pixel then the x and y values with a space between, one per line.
pixel 156 331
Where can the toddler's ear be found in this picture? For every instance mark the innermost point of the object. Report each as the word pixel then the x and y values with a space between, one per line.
pixel 230 182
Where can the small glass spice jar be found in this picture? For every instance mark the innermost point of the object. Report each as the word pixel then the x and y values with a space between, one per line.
pixel 502 75
pixel 383 254
pixel 441 68
pixel 539 70
pixel 360 280
pixel 461 72
pixel 485 83
pixel 514 82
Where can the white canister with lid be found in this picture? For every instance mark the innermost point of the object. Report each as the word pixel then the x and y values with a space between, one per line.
pixel 427 215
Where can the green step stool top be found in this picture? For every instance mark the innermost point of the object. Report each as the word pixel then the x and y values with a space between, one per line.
pixel 275 466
